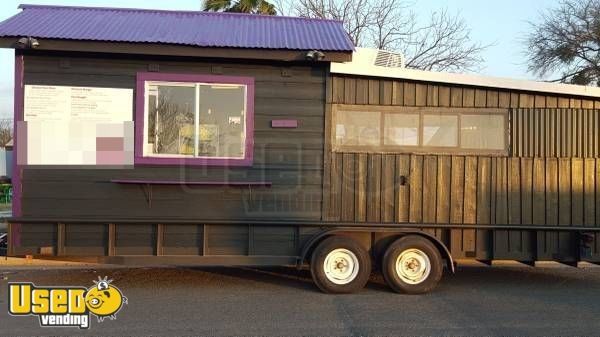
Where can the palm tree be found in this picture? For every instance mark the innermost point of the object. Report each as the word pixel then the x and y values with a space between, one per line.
pixel 240 6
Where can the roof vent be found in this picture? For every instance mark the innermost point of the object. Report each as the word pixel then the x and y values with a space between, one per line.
pixel 389 59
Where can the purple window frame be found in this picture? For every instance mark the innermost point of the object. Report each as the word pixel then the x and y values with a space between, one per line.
pixel 140 126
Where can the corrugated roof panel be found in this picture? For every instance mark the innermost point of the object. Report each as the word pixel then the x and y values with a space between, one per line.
pixel 201 29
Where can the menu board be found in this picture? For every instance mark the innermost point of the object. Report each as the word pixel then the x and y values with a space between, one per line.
pixel 60 103
pixel 78 125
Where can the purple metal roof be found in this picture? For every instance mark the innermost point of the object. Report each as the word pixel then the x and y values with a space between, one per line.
pixel 201 29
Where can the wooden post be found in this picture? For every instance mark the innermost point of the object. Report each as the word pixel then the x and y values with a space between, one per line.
pixel 60 239
pixel 111 239
pixel 160 238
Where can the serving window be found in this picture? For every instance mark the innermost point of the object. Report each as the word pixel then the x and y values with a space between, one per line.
pixel 195 119
pixel 387 129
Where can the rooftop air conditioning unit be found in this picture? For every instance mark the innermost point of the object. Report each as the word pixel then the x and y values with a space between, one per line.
pixel 388 59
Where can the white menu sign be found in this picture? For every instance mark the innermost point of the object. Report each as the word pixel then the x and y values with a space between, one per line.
pixel 60 103
pixel 78 125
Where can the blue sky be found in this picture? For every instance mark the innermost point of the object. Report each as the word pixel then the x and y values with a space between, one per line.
pixel 501 23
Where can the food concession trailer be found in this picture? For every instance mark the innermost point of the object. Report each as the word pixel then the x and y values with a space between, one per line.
pixel 194 138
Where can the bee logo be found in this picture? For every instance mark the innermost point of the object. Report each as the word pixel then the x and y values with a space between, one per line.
pixel 66 306
pixel 104 299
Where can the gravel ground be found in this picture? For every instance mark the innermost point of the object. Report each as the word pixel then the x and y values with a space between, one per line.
pixel 497 301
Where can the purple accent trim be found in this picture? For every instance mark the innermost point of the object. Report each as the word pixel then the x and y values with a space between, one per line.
pixel 284 123
pixel 143 77
pixel 197 183
pixel 16 172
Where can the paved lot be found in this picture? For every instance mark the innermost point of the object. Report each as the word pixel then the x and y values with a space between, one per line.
pixel 499 301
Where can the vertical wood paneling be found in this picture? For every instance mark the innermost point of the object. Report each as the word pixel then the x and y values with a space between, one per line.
pixel 432 95
pixel 503 99
pixel 348 197
pixel 336 186
pixel 480 98
pixel 589 182
pixel 514 191
pixel 577 202
pixel 349 90
pixel 362 91
pixel 444 96
pixel 397 93
pixel 527 190
pixel 374 188
pixel 538 215
pixel 554 133
pixel 429 189
pixel 444 171
pixel 416 189
pixel 564 191
pixel 402 194
pixel 552 192
pixel 457 188
pixel 492 99
pixel 456 97
pixel 420 94
pixel 361 188
pixel 388 185
pixel 470 190
pixel 468 97
pixel 337 95
pixel 386 92
pixel 410 95
pixel 374 92
pixel 484 190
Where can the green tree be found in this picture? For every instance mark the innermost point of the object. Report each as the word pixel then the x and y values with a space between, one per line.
pixel 240 6
pixel 565 43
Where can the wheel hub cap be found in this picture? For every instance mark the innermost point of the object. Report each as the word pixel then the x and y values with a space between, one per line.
pixel 341 266
pixel 413 266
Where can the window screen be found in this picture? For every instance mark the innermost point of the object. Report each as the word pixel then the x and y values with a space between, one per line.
pixel 423 129
pixel 482 132
pixel 440 130
pixel 358 128
pixel 401 129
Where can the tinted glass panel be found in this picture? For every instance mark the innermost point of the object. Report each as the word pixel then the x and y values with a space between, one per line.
pixel 440 130
pixel 222 121
pixel 401 129
pixel 358 128
pixel 171 118
pixel 482 132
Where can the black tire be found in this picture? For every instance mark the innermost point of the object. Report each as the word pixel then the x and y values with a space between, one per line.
pixel 405 244
pixel 318 272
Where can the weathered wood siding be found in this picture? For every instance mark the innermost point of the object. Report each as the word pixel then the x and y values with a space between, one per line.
pixel 551 132
pixel 289 158
pixel 550 178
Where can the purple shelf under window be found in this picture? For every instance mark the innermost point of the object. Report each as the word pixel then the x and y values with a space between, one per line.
pixel 189 183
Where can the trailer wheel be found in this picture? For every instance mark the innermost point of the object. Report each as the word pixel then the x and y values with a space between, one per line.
pixel 340 265
pixel 412 265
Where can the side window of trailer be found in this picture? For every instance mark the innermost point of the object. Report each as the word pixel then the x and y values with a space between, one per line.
pixel 196 119
pixel 428 130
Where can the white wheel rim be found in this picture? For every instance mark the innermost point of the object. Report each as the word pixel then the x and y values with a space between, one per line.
pixel 413 266
pixel 341 266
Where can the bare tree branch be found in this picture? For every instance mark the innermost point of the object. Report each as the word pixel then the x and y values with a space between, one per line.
pixel 442 44
pixel 567 41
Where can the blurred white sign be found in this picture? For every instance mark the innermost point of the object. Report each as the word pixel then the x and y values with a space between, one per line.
pixel 78 125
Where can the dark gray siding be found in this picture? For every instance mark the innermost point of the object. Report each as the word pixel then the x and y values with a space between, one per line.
pixel 289 158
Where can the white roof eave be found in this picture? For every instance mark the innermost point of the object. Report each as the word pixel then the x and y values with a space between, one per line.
pixel 359 67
